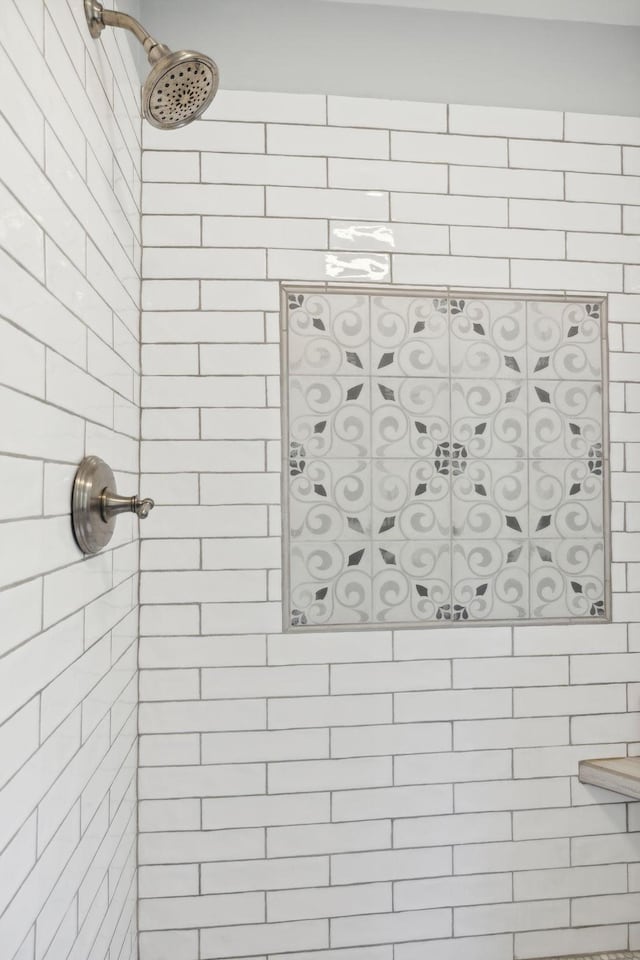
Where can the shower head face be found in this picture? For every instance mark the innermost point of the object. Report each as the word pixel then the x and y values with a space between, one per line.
pixel 179 89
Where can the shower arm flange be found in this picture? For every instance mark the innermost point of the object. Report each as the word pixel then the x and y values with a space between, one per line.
pixel 98 18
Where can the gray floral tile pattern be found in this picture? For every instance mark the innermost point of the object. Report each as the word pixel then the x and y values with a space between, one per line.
pixel 445 460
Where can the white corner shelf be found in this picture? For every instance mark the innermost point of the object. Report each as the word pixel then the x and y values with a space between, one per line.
pixel 619 774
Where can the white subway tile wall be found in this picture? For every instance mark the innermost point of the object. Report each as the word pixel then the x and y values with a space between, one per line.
pixel 363 795
pixel 70 247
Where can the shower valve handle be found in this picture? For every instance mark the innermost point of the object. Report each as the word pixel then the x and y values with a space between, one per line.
pixel 111 504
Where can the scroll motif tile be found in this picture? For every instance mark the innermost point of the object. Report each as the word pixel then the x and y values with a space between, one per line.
pixel 490 580
pixel 490 500
pixel 565 418
pixel 329 499
pixel 329 416
pixel 446 459
pixel 409 417
pixel 489 417
pixel 328 334
pixel 564 340
pixel 331 583
pixel 488 338
pixel 567 579
pixel 411 499
pixel 566 499
pixel 411 581
pixel 409 336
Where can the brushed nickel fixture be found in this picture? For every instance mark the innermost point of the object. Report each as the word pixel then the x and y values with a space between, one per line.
pixel 95 504
pixel 181 85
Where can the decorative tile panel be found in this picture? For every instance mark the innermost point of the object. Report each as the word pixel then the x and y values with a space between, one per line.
pixel 445 459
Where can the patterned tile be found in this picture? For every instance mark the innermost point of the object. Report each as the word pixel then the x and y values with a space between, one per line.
pixel 329 499
pixel 409 417
pixel 490 580
pixel 411 581
pixel 565 419
pixel 328 334
pixel 565 499
pixel 409 336
pixel 490 500
pixel 563 341
pixel 567 578
pixel 489 417
pixel 445 460
pixel 330 416
pixel 410 499
pixel 331 583
pixel 488 338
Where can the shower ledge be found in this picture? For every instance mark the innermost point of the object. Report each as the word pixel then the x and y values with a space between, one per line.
pixel 620 774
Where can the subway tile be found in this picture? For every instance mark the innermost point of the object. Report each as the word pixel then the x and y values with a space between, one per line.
pixel 471 271
pixel 200 264
pixel 327 902
pixel 265 811
pixel 202 198
pixel 458 828
pixel 603 188
pixel 483 241
pixel 568 275
pixel 571 941
pixel 384 802
pixel 240 941
pixel 263 232
pixel 208 135
pixel 561 215
pixel 452 891
pixel 329 711
pixel 603 247
pixel 449 209
pixel 452 767
pixel 593 128
pixel 171 166
pixel 511 917
pixel 452 705
pixel 505 122
pixel 488 182
pixel 564 156
pixel 486 734
pixel 264 169
pixel 511 794
pixel 218 780
pixel 394 927
pixel 326 204
pixel 171 231
pixel 388 175
pixel 244 105
pixel 391 865
pixel 321 141
pixel 447 148
pixel 167 912
pixel 396 114
pixel 313 775
pixel 282 873
pixel 519 855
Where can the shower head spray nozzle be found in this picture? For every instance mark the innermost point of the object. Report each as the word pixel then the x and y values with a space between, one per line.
pixel 180 86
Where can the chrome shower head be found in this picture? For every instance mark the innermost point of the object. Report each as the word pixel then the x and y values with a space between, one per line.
pixel 180 86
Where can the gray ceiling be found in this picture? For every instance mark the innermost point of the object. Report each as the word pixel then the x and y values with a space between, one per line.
pixel 358 49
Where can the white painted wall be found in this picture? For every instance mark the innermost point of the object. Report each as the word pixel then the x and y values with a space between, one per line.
pixel 69 310
pixel 373 50
pixel 368 795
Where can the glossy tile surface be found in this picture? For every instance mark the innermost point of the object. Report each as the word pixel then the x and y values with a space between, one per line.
pixel 445 459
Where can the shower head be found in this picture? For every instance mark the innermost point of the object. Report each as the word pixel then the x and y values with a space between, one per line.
pixel 180 85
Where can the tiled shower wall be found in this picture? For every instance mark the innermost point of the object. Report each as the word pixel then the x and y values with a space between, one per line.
pixel 69 282
pixel 333 794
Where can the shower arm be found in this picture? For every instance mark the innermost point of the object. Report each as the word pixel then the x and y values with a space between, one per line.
pixel 98 18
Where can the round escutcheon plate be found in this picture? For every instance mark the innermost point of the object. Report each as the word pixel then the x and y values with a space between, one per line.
pixel 91 531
